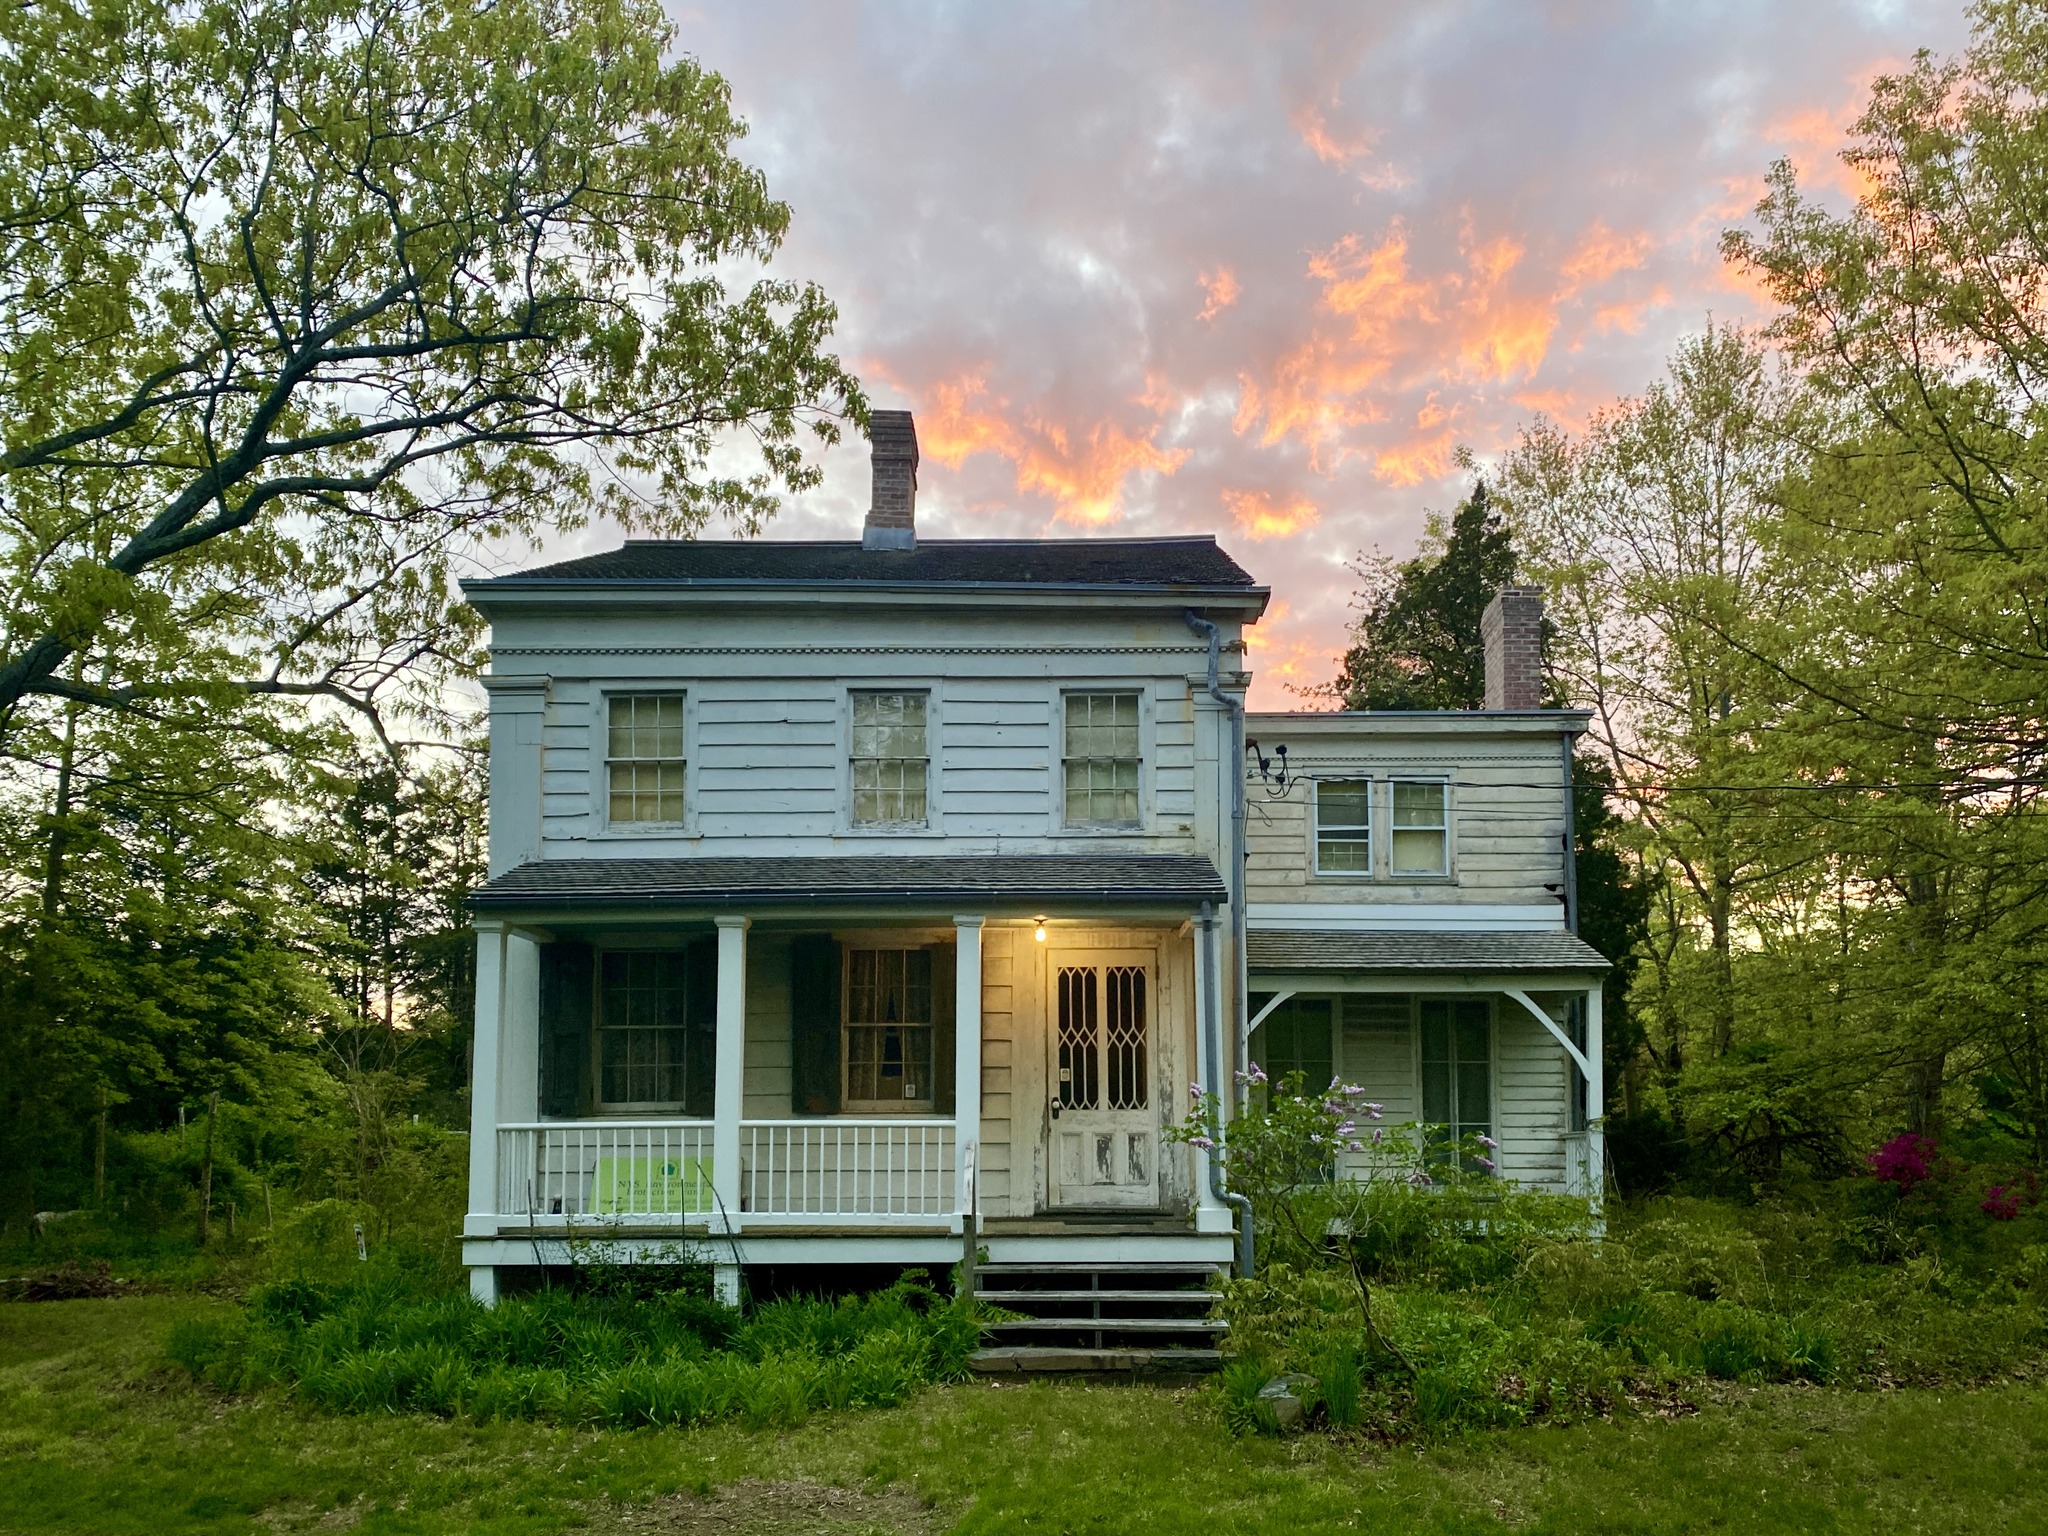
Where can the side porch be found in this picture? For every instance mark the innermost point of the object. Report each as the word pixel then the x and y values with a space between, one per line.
pixel 1489 1033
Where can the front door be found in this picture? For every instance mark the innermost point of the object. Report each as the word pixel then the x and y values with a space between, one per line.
pixel 1103 1121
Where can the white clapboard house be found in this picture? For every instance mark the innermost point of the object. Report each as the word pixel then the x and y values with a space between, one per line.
pixel 844 894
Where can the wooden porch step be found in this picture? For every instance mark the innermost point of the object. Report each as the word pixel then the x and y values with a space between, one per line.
pixel 1201 1267
pixel 1031 1359
pixel 1163 1293
pixel 1109 1325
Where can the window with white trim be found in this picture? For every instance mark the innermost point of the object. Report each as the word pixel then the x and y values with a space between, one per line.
pixel 1101 760
pixel 644 759
pixel 1421 842
pixel 1343 826
pixel 889 1028
pixel 891 761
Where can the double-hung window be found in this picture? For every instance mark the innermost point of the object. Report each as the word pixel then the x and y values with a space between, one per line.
pixel 1457 1068
pixel 1421 843
pixel 644 759
pixel 1101 760
pixel 1344 827
pixel 642 1030
pixel 889 1027
pixel 891 764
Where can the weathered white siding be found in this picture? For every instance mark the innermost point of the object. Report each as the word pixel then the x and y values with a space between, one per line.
pixel 1531 1107
pixel 1506 807
pixel 767 733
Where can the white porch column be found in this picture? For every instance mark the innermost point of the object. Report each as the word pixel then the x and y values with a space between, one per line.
pixel 728 1101
pixel 1211 1214
pixel 519 1030
pixel 1596 1098
pixel 482 1220
pixel 966 1064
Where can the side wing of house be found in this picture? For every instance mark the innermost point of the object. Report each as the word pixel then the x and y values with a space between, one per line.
pixel 1411 928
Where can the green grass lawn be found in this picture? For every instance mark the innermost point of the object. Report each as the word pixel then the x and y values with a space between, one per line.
pixel 96 1435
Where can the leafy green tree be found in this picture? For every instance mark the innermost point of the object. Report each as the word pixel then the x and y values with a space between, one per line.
pixel 1919 646
pixel 304 304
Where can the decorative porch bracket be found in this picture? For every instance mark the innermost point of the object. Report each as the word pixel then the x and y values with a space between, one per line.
pixel 1578 1056
pixel 1273 1002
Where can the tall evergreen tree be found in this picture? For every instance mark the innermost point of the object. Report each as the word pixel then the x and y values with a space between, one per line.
pixel 1416 643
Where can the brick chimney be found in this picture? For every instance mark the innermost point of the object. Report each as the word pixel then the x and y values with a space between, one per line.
pixel 1512 629
pixel 892 519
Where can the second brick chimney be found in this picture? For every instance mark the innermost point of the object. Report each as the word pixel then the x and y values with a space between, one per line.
pixel 892 518
pixel 1512 629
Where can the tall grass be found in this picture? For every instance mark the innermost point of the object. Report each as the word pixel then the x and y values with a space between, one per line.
pixel 668 1359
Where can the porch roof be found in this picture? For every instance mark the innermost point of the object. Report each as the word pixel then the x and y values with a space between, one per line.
pixel 1294 950
pixel 1004 880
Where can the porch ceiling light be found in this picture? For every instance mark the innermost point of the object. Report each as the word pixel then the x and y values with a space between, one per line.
pixel 1039 932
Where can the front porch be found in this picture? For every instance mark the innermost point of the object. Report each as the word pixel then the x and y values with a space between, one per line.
pixel 670 1083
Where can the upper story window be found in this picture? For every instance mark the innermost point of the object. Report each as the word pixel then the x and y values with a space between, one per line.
pixel 891 764
pixel 1101 759
pixel 889 1028
pixel 1343 827
pixel 644 758
pixel 1422 828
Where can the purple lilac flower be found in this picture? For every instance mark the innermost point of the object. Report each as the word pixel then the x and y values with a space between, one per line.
pixel 1378 1135
pixel 1346 1128
pixel 1204 1142
pixel 1357 1146
pixel 1372 1111
pixel 1484 1162
pixel 1195 1092
pixel 1420 1179
pixel 1256 1075
pixel 1488 1142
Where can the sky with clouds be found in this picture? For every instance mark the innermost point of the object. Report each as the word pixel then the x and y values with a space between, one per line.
pixel 1259 269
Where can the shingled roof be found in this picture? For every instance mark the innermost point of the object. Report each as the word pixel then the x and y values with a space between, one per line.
pixel 1001 880
pixel 1135 563
pixel 1397 951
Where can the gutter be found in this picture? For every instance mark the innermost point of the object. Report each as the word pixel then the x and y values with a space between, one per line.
pixel 1246 1252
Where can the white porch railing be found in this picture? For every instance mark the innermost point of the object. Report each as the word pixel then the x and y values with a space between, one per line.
pixel 836 1171
pixel 880 1171
pixel 605 1171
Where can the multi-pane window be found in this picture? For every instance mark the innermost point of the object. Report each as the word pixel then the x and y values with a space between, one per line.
pixel 889 1017
pixel 644 758
pixel 1296 1037
pixel 890 763
pixel 1422 828
pixel 1101 759
pixel 641 1028
pixel 1457 1067
pixel 1344 827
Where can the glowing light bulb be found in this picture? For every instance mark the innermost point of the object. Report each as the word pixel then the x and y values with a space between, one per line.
pixel 1039 933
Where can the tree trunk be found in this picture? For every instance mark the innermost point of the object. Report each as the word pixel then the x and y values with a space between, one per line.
pixel 206 1168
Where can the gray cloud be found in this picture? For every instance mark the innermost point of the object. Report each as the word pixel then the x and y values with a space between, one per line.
pixel 1256 269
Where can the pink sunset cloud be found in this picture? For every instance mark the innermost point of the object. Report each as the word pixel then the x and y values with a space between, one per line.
pixel 1260 270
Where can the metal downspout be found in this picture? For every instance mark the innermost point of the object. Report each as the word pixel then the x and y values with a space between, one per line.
pixel 1213 1029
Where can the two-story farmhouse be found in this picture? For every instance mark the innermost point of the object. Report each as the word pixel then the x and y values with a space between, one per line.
pixel 846 893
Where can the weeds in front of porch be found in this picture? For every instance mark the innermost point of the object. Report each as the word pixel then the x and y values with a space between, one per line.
pixel 1433 1297
pixel 618 1359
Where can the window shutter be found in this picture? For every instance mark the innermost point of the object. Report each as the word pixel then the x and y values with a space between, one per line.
pixel 944 1024
pixel 700 1028
pixel 566 994
pixel 814 1025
